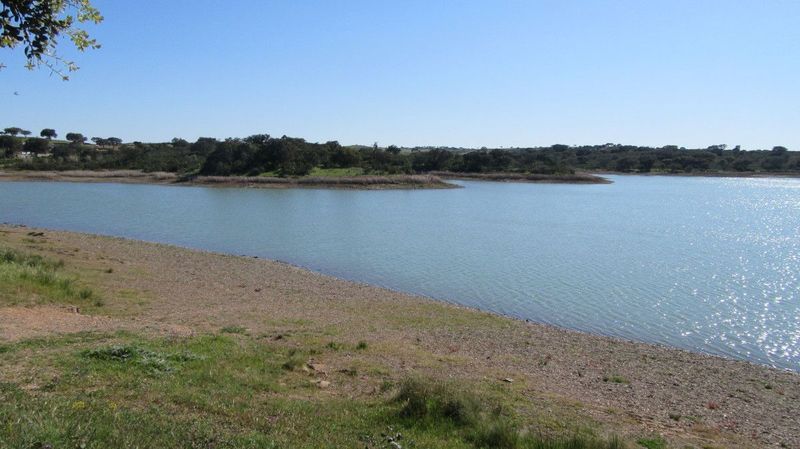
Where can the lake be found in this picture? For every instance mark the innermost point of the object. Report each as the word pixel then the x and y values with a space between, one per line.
pixel 704 264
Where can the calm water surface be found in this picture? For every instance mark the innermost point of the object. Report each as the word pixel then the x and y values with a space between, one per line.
pixel 706 264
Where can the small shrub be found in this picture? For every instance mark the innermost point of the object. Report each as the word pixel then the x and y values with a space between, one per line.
pixel 85 293
pixel 496 434
pixel 427 399
pixel 154 362
pixel 616 379
pixel 652 443
pixel 233 330
pixel 362 345
pixel 334 346
pixel 295 361
pixel 113 353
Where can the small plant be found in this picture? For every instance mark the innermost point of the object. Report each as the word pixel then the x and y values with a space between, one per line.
pixel 109 270
pixel 85 293
pixel 334 346
pixel 154 362
pixel 233 330
pixel 652 443
pixel 437 401
pixel 362 345
pixel 294 362
pixel 616 379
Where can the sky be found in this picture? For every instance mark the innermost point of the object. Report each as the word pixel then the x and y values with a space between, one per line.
pixel 465 73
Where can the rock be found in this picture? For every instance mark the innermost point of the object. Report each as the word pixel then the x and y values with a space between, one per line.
pixel 322 383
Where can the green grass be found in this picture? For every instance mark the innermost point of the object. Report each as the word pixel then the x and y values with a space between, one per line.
pixel 27 279
pixel 233 330
pixel 220 391
pixel 652 443
pixel 324 172
pixel 337 172
pixel 479 420
pixel 616 379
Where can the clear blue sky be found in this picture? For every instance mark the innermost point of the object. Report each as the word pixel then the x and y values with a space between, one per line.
pixel 462 73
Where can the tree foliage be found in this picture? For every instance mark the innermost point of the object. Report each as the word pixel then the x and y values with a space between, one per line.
pixel 290 156
pixel 37 25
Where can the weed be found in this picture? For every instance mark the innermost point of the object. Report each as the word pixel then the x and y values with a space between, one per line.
pixel 362 345
pixel 294 361
pixel 233 330
pixel 652 443
pixel 616 379
pixel 334 346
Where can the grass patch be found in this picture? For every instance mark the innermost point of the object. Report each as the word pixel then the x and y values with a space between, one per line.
pixel 652 443
pixel 478 420
pixel 362 345
pixel 233 330
pixel 27 279
pixel 334 346
pixel 217 391
pixel 616 379
pixel 296 360
pixel 151 361
pixel 336 172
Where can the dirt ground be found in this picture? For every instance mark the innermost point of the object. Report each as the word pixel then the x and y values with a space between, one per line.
pixel 625 387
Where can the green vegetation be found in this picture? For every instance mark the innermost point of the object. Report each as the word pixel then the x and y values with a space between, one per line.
pixel 652 443
pixel 266 156
pixel 29 279
pixel 37 26
pixel 616 379
pixel 233 330
pixel 123 390
pixel 481 421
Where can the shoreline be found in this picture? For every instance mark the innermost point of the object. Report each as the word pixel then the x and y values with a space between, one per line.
pixel 758 175
pixel 394 182
pixel 547 360
pixel 533 178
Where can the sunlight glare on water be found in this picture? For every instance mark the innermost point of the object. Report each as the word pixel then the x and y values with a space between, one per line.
pixel 705 264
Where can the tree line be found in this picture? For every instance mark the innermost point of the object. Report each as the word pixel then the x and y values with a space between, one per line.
pixel 290 156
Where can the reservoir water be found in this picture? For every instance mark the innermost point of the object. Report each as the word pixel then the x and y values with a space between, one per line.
pixel 704 264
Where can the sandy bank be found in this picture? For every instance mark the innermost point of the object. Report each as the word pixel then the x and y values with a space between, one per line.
pixel 630 388
pixel 163 178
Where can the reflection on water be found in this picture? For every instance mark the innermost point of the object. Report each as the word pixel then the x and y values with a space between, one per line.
pixel 706 264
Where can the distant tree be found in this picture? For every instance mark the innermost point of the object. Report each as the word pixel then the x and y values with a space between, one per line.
pixel 9 145
pixel 779 150
pixel 99 141
pixel 114 141
pixel 25 132
pixel 37 25
pixel 393 149
pixel 48 133
pixel 13 130
pixel 178 142
pixel 37 145
pixel 76 138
